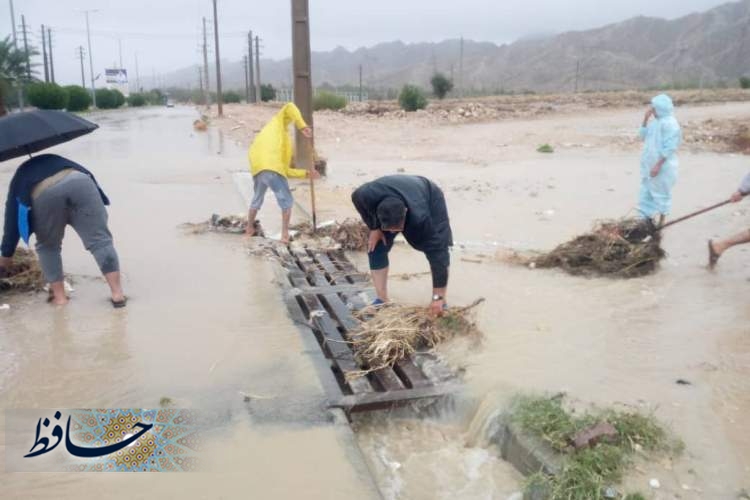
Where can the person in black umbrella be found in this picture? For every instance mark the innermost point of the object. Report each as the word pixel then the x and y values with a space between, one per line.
pixel 49 193
pixel 414 206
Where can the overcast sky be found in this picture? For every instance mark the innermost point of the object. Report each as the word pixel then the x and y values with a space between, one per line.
pixel 165 34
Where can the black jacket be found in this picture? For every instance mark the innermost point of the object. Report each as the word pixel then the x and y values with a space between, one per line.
pixel 427 226
pixel 29 174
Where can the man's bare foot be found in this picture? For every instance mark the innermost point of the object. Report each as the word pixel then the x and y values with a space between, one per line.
pixel 713 255
pixel 249 232
pixel 58 301
pixel 284 238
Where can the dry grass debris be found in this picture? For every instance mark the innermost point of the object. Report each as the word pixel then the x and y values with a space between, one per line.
pixel 24 274
pixel 392 332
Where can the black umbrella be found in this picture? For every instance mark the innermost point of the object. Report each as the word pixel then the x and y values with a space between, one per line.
pixel 31 131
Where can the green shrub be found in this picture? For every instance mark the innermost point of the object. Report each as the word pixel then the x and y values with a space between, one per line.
pixel 47 96
pixel 136 100
pixel 79 98
pixel 745 82
pixel 441 85
pixel 327 100
pixel 156 97
pixel 119 98
pixel 545 148
pixel 231 97
pixel 109 99
pixel 412 98
pixel 267 93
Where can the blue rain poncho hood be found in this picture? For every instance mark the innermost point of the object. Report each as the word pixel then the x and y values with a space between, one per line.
pixel 663 106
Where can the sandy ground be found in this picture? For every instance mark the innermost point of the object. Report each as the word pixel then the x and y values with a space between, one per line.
pixel 601 341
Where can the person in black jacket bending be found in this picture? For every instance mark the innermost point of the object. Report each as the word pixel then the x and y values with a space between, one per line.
pixel 414 206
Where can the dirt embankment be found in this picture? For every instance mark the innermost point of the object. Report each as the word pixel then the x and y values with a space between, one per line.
pixel 535 105
pixel 722 135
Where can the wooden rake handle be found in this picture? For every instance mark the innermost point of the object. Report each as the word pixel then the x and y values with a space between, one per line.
pixel 696 213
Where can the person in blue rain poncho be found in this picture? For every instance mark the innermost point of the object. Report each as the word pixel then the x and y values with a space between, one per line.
pixel 661 136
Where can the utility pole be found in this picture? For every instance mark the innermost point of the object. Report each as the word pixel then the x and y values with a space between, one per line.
pixel 119 44
pixel 205 66
pixel 13 23
pixel 83 77
pixel 251 73
pixel 137 75
pixel 15 46
pixel 301 65
pixel 26 48
pixel 578 72
pixel 44 54
pixel 200 79
pixel 247 86
pixel 461 70
pixel 219 97
pixel 51 62
pixel 360 83
pixel 91 59
pixel 258 93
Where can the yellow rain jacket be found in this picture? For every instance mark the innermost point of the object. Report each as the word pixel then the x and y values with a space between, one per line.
pixel 272 147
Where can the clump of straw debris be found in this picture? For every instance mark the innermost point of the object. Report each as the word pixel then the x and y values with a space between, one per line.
pixel 351 234
pixel 392 332
pixel 24 274
pixel 626 248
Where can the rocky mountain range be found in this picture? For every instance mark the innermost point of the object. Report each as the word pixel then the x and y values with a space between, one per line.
pixel 707 48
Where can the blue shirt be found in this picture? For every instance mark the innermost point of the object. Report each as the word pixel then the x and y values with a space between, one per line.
pixel 18 204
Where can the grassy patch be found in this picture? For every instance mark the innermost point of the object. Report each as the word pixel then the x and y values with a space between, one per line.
pixel 586 473
pixel 634 496
pixel 545 148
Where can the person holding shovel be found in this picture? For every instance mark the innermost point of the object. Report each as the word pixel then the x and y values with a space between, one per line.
pixel 47 194
pixel 661 136
pixel 414 206
pixel 717 248
pixel 271 165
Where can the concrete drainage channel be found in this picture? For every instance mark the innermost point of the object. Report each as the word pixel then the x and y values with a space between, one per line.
pixel 320 290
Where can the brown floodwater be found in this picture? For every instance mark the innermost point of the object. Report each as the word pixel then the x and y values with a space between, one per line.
pixel 206 322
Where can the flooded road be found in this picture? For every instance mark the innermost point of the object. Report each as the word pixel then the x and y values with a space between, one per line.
pixel 607 342
pixel 204 323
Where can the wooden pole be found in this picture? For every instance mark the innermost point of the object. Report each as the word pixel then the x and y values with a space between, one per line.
pixel 302 74
pixel 312 186
pixel 696 213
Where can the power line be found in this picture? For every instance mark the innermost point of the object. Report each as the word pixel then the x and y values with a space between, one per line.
pixel 148 36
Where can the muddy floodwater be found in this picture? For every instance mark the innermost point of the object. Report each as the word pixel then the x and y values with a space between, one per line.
pixel 206 325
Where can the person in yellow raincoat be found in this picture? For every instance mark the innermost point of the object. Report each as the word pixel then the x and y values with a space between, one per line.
pixel 271 165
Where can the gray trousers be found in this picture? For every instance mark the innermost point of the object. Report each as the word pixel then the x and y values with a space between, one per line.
pixel 73 201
